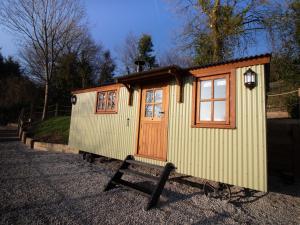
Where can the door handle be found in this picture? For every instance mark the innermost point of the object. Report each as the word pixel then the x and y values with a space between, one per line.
pixel 162 112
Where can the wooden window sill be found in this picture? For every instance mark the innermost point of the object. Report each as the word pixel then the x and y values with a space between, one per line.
pixel 107 112
pixel 211 125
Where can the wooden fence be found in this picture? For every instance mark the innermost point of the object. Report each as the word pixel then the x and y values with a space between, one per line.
pixel 34 114
pixel 278 104
pixel 53 111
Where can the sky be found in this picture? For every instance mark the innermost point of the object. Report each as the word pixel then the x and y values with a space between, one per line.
pixel 110 21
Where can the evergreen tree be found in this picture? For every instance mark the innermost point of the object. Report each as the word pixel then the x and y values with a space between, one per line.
pixel 107 68
pixel 85 72
pixel 17 92
pixel 9 67
pixel 145 49
pixel 66 78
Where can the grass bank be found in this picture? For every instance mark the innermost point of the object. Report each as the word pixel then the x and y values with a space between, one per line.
pixel 53 130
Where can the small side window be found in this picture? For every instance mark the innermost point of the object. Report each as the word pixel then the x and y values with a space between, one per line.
pixel 214 104
pixel 106 101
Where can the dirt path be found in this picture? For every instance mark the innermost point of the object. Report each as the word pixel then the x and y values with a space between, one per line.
pixel 56 188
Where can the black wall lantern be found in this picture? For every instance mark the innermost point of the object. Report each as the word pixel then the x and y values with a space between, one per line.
pixel 250 78
pixel 73 99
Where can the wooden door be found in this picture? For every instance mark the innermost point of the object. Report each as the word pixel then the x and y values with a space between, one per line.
pixel 153 128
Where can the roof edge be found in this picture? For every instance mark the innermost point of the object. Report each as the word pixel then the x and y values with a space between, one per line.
pixel 149 72
pixel 250 59
pixel 97 88
pixel 243 62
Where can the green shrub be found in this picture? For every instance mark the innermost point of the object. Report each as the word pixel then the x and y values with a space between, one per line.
pixel 292 104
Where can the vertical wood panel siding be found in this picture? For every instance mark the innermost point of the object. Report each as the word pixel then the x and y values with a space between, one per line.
pixel 233 156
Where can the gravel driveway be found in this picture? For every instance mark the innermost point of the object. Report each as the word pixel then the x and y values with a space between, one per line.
pixel 57 188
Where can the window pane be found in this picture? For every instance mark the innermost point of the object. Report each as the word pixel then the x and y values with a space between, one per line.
pixel 205 111
pixel 205 89
pixel 220 88
pixel 149 110
pixel 149 96
pixel 111 100
pixel 158 96
pixel 101 101
pixel 219 110
pixel 157 110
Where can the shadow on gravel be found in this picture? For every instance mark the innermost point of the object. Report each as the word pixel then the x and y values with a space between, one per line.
pixel 183 180
pixel 238 195
pixel 58 188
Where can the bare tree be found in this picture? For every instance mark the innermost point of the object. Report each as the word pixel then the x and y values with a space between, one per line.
pixel 128 53
pixel 175 57
pixel 283 26
pixel 45 27
pixel 217 29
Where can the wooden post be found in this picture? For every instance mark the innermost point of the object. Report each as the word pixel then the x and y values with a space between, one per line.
pixel 56 110
pixel 179 89
pixel 31 112
pixel 130 93
pixel 20 119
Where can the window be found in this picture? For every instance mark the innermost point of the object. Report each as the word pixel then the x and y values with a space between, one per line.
pixel 214 102
pixel 153 103
pixel 106 101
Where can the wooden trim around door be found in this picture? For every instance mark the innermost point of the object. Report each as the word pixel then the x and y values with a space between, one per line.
pixel 138 121
pixel 167 97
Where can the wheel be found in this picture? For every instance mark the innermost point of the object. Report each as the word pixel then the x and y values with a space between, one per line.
pixel 90 158
pixel 217 190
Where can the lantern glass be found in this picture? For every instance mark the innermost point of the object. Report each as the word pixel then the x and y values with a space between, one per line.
pixel 247 77
pixel 73 99
pixel 250 78
pixel 253 77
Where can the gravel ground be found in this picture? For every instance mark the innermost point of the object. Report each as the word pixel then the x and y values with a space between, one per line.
pixel 57 188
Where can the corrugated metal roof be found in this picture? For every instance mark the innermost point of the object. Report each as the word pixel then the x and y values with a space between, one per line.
pixel 164 70
pixel 94 87
pixel 161 70
pixel 156 71
pixel 230 61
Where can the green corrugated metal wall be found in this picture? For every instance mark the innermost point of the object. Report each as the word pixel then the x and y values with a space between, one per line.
pixel 233 156
pixel 104 134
